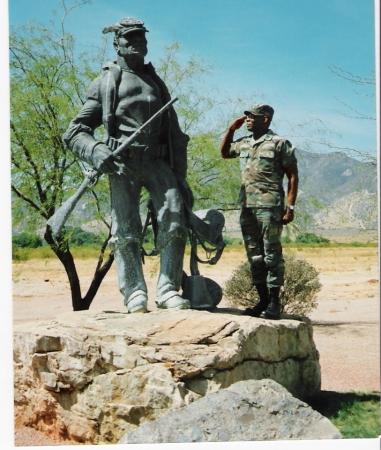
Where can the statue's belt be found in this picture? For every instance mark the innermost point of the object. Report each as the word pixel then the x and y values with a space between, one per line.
pixel 136 150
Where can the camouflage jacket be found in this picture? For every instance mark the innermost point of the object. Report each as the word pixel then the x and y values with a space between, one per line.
pixel 262 163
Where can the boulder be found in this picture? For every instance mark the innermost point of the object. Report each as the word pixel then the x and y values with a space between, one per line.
pixel 254 410
pixel 93 376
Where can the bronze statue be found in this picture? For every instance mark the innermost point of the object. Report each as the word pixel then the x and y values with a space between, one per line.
pixel 123 97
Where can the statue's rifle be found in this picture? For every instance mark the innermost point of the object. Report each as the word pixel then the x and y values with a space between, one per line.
pixel 58 219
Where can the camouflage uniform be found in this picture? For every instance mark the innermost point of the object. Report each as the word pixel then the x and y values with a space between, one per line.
pixel 262 163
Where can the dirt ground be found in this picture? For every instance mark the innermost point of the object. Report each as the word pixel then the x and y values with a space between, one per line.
pixel 346 321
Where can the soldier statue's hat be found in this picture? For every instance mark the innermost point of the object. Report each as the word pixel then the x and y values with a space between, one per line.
pixel 260 109
pixel 124 26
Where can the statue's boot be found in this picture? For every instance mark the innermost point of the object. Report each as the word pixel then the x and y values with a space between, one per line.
pixel 130 276
pixel 171 271
pixel 137 302
pixel 264 301
pixel 273 310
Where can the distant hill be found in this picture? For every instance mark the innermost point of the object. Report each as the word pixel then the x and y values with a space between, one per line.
pixel 334 175
pixel 338 191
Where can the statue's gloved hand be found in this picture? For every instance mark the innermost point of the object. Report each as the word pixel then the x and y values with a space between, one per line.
pixel 103 159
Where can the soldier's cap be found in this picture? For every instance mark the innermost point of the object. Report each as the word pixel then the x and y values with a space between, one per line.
pixel 124 26
pixel 260 109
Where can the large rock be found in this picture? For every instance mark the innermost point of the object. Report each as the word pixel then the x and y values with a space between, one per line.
pixel 251 411
pixel 94 376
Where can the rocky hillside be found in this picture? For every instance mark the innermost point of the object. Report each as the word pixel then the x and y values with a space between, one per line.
pixel 334 175
pixel 338 191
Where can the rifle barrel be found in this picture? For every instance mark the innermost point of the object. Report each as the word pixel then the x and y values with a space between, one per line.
pixel 58 219
pixel 136 134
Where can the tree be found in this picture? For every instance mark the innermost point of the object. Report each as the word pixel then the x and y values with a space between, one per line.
pixel 367 85
pixel 48 83
pixel 214 181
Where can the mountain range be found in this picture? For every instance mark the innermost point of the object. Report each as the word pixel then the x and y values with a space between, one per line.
pixel 337 191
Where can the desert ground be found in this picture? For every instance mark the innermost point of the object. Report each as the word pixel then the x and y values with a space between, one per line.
pixel 346 320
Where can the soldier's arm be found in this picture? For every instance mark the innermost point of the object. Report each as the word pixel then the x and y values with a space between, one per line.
pixel 79 137
pixel 228 138
pixel 292 191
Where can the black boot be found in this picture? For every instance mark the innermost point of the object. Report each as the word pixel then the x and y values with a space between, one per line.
pixel 273 310
pixel 264 301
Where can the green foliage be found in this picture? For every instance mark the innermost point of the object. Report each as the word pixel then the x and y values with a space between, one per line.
pixel 44 97
pixel 25 254
pixel 27 240
pixel 19 254
pixel 49 81
pixel 232 241
pixel 310 238
pixel 355 414
pixel 78 237
pixel 298 295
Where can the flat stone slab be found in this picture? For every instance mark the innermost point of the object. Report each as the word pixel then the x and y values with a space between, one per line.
pixel 254 410
pixel 92 376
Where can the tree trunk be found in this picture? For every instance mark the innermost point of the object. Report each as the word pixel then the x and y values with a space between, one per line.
pixel 60 247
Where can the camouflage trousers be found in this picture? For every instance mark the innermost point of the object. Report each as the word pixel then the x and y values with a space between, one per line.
pixel 261 231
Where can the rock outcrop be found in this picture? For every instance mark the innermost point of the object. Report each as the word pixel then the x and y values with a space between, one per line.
pixel 254 410
pixel 94 376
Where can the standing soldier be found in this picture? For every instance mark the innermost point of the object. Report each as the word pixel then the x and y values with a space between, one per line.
pixel 265 158
pixel 122 98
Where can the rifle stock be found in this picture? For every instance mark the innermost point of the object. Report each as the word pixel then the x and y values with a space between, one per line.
pixel 58 219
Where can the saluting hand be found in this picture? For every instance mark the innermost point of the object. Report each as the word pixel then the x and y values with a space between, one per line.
pixel 236 124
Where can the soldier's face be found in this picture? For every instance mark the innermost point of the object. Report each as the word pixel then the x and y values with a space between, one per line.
pixel 256 123
pixel 133 43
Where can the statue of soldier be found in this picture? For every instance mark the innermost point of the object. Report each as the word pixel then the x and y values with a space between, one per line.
pixel 265 158
pixel 123 97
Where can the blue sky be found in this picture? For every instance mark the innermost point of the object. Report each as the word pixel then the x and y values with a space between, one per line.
pixel 275 51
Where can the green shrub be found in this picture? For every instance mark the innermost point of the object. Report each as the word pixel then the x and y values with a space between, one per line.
pixel 310 238
pixel 27 240
pixel 298 295
pixel 78 237
pixel 19 254
pixel 232 241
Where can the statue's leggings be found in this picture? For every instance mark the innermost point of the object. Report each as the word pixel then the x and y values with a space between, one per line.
pixel 261 230
pixel 160 182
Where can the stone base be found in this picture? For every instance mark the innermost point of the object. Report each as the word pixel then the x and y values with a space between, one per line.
pixel 93 376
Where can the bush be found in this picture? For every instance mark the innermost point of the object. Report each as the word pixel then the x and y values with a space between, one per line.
pixel 78 237
pixel 27 240
pixel 310 238
pixel 298 295
pixel 19 254
pixel 232 241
